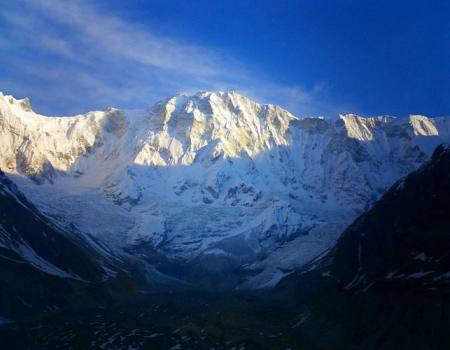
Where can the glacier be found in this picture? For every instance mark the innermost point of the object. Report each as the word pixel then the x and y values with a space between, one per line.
pixel 210 184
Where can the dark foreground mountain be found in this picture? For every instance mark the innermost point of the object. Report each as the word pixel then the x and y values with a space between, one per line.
pixel 405 236
pixel 385 285
pixel 43 267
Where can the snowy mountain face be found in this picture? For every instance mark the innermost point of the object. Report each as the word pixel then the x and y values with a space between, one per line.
pixel 214 182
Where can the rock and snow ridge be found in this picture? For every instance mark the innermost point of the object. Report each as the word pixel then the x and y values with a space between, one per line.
pixel 214 180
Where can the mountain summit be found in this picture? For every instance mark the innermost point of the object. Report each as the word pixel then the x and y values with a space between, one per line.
pixel 212 182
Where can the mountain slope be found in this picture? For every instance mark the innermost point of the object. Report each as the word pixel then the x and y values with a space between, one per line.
pixel 41 265
pixel 213 182
pixel 386 283
pixel 406 235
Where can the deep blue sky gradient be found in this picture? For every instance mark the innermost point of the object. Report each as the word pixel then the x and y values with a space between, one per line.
pixel 311 57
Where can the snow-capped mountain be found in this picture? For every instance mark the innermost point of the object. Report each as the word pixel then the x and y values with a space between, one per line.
pixel 213 181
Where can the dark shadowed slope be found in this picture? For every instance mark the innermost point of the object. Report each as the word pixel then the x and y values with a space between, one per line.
pixel 41 266
pixel 386 283
pixel 406 235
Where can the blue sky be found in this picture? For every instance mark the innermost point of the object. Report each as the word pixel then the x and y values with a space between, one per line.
pixel 310 57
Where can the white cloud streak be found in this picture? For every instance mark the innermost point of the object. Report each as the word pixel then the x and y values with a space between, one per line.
pixel 132 41
pixel 118 62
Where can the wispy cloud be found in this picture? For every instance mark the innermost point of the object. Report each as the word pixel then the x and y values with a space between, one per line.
pixel 109 60
pixel 132 41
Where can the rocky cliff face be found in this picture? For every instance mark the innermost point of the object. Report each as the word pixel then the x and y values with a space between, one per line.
pixel 214 180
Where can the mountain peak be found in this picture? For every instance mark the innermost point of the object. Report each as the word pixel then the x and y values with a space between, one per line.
pixel 23 103
pixel 229 99
pixel 228 123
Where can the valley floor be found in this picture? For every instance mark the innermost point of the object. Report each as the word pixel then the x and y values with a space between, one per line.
pixel 387 317
pixel 159 321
